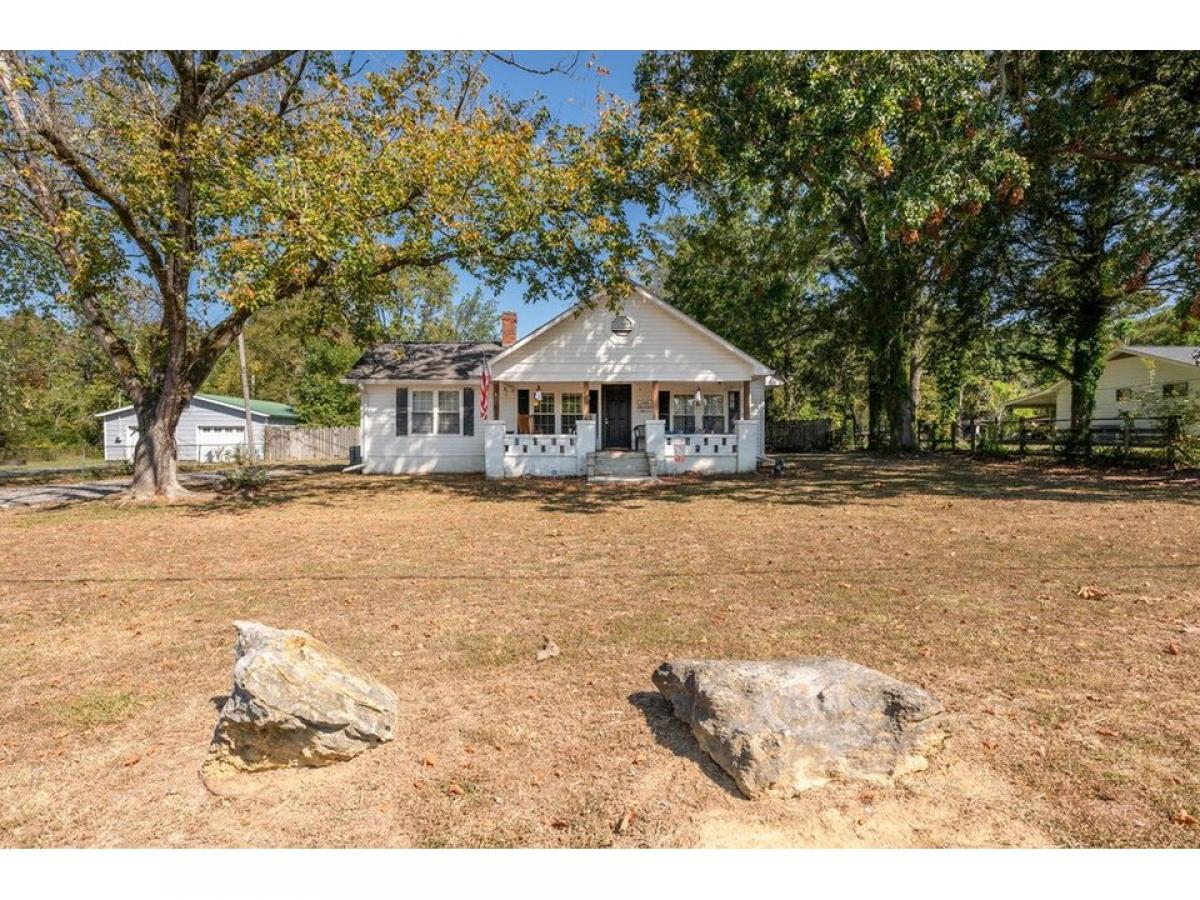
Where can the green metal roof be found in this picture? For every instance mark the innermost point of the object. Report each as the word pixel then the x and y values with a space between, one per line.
pixel 266 407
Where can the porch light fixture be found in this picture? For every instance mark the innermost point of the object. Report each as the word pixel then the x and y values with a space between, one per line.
pixel 537 394
pixel 699 397
pixel 622 325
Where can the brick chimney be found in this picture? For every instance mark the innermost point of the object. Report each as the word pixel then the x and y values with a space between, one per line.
pixel 508 329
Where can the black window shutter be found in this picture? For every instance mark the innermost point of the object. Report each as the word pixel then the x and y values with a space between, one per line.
pixel 735 406
pixel 664 405
pixel 468 411
pixel 402 411
pixel 522 401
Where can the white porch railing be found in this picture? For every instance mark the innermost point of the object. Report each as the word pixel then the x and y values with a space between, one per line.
pixel 508 455
pixel 539 443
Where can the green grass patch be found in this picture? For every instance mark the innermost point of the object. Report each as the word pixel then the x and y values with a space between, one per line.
pixel 97 707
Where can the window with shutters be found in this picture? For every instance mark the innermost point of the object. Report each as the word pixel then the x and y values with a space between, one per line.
pixel 572 412
pixel 543 414
pixel 449 412
pixel 1175 389
pixel 714 414
pixel 683 414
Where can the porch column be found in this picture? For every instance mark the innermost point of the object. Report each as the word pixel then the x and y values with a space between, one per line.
pixel 585 442
pixel 747 445
pixel 656 442
pixel 493 448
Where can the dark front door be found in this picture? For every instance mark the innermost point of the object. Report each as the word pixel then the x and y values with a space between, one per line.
pixel 618 403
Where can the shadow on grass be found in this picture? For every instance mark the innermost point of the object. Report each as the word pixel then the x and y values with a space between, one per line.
pixel 673 734
pixel 827 479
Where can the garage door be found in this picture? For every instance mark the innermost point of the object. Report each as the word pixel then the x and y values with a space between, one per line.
pixel 219 443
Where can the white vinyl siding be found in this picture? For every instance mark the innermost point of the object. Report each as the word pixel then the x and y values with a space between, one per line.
pixel 661 347
pixel 198 414
pixel 1139 374
pixel 385 452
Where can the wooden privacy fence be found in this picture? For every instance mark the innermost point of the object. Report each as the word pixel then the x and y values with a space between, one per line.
pixel 800 435
pixel 308 443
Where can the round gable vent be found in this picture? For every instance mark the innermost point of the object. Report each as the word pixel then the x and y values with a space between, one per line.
pixel 622 325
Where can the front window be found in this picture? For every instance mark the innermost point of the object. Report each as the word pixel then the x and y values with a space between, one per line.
pixel 436 412
pixel 543 415
pixel 422 412
pixel 1175 389
pixel 572 411
pixel 683 414
pixel 1124 395
pixel 714 414
pixel 449 413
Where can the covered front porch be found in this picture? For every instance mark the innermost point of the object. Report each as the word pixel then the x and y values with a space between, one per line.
pixel 553 428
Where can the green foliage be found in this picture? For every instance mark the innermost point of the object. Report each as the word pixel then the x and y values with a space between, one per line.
pixel 870 170
pixel 52 380
pixel 246 477
pixel 321 398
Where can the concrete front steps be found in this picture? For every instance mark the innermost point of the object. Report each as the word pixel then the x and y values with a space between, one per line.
pixel 619 465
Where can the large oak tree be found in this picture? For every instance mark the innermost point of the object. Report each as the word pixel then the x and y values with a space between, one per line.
pixel 887 158
pixel 224 183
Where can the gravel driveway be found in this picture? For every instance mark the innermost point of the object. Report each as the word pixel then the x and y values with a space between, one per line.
pixel 40 494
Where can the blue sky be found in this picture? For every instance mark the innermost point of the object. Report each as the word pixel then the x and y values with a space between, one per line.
pixel 572 99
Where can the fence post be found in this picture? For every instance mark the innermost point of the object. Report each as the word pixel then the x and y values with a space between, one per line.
pixel 1127 437
pixel 1023 438
pixel 1172 439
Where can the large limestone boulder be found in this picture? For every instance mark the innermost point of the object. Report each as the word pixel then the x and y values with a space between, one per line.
pixel 296 703
pixel 785 726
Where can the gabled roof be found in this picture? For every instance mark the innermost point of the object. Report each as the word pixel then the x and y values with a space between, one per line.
pixel 421 361
pixel 257 407
pixel 1046 397
pixel 1186 355
pixel 759 368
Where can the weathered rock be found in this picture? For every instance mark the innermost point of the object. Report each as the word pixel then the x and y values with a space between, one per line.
pixel 785 726
pixel 296 703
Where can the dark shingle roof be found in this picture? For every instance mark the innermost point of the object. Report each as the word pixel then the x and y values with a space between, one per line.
pixel 446 361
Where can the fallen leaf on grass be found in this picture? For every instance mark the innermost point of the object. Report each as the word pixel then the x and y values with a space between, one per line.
pixel 1106 732
pixel 429 760
pixel 559 824
pixel 624 822
pixel 454 789
pixel 1183 817
pixel 131 760
pixel 1173 649
pixel 1090 592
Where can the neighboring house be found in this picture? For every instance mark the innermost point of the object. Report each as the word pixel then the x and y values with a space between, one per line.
pixel 212 427
pixel 567 398
pixel 1132 375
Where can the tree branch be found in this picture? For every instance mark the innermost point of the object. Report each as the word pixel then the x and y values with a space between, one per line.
pixel 248 69
pixel 91 181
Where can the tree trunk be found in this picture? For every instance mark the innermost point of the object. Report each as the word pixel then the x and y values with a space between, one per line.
pixel 1087 363
pixel 155 460
pixel 874 415
pixel 903 415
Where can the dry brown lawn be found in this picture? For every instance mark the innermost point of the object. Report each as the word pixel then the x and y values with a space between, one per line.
pixel 1054 612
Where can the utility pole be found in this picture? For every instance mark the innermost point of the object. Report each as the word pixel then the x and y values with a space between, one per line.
pixel 246 396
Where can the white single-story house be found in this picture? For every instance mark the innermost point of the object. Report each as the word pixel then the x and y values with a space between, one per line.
pixel 646 390
pixel 1132 376
pixel 212 427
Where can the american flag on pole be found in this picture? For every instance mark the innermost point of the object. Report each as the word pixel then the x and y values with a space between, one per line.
pixel 485 387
